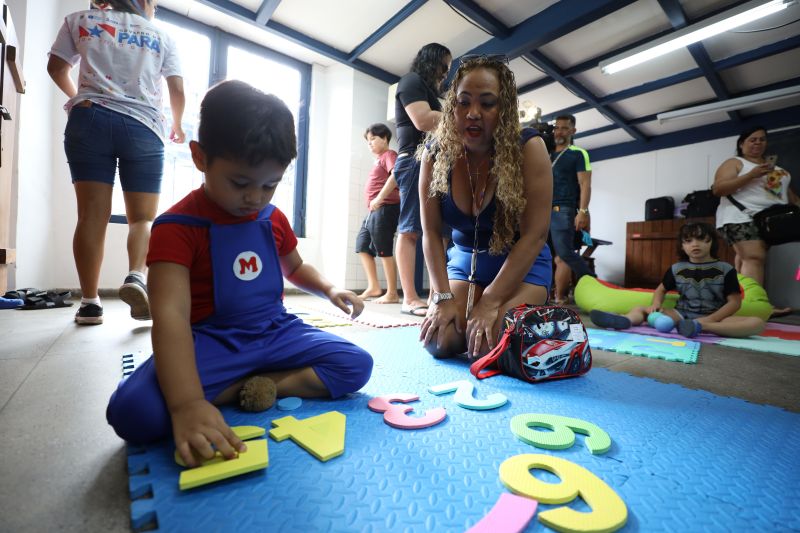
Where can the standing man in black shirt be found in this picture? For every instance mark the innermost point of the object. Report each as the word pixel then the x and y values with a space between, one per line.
pixel 417 110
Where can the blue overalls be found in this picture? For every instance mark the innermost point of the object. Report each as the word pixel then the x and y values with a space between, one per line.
pixel 249 333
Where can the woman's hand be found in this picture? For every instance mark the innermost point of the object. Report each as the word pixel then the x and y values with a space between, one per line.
pixel 344 300
pixel 176 134
pixel 480 325
pixel 760 171
pixel 652 309
pixel 436 321
pixel 198 425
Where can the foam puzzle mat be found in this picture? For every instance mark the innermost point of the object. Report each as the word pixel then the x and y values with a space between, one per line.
pixel 680 350
pixel 679 459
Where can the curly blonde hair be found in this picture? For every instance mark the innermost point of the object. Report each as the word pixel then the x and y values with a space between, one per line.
pixel 507 161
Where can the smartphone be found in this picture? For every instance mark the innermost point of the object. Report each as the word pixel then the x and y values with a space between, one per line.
pixel 772 160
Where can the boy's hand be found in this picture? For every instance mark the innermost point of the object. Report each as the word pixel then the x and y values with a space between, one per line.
pixel 375 203
pixel 653 309
pixel 344 299
pixel 197 425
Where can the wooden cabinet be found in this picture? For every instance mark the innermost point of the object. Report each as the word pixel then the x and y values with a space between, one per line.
pixel 11 86
pixel 651 247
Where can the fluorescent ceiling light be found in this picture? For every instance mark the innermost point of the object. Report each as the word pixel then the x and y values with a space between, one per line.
pixel 743 14
pixel 731 104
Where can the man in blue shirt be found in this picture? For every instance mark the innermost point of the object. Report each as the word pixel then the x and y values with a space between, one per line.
pixel 572 189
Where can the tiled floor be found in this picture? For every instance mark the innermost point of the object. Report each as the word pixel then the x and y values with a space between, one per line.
pixel 62 467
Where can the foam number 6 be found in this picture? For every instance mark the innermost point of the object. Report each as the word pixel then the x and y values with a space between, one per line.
pixel 322 436
pixel 609 512
pixel 395 415
pixel 563 432
pixel 218 468
pixel 464 398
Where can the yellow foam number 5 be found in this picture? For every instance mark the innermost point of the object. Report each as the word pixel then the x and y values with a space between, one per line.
pixel 563 432
pixel 322 436
pixel 609 512
pixel 218 468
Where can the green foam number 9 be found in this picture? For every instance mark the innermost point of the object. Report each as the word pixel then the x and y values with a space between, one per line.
pixel 563 432
pixel 609 512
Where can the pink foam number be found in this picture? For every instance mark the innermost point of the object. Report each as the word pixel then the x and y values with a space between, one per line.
pixel 395 415
pixel 381 404
pixel 510 514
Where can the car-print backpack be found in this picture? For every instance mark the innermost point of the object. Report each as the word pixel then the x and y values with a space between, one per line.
pixel 538 343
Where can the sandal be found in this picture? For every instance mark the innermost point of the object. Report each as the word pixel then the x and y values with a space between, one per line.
pixel 46 300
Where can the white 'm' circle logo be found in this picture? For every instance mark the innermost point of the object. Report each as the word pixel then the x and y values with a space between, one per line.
pixel 247 266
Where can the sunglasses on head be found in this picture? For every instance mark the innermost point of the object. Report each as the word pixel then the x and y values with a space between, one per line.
pixel 499 58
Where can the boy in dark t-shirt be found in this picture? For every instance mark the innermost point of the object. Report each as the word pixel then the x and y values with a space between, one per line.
pixel 709 293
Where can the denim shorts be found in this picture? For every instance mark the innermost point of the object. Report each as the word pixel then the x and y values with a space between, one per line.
pixel 459 265
pixel 97 139
pixel 406 173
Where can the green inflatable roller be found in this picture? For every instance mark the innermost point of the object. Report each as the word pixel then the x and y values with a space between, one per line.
pixel 592 293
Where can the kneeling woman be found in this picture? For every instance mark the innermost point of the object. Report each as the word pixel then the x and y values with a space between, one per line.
pixel 492 183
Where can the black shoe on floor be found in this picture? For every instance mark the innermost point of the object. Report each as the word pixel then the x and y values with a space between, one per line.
pixel 609 320
pixel 89 315
pixel 134 293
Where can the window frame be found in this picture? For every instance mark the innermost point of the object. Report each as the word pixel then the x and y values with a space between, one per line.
pixel 220 41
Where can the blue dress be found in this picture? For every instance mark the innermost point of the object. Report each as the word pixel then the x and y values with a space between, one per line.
pixel 459 256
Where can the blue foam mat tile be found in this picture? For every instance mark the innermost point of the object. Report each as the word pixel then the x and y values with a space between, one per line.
pixel 682 460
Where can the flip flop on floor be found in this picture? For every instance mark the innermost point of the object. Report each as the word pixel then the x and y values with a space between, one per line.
pixel 47 300
pixel 413 311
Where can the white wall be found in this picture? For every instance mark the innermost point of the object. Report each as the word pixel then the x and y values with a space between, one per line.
pixel 621 186
pixel 343 104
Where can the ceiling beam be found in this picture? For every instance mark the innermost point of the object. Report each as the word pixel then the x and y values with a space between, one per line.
pixel 676 16
pixel 729 62
pixel 792 82
pixel 266 10
pixel 481 17
pixel 552 70
pixel 242 13
pixel 387 26
pixel 593 62
pixel 548 25
pixel 770 120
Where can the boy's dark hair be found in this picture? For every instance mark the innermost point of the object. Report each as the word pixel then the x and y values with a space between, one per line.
pixel 571 119
pixel 429 64
pixel 241 123
pixel 700 230
pixel 125 6
pixel 745 134
pixel 379 130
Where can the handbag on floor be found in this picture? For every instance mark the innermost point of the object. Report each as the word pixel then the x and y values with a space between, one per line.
pixel 777 224
pixel 538 343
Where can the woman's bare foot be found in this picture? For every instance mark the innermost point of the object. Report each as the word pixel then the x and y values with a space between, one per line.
pixel 370 293
pixel 782 311
pixel 388 299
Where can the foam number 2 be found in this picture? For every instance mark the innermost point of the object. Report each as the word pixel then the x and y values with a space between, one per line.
pixel 395 415
pixel 322 436
pixel 563 432
pixel 609 512
pixel 218 468
pixel 464 398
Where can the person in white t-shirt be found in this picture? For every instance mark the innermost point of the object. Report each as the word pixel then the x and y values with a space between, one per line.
pixel 755 184
pixel 115 120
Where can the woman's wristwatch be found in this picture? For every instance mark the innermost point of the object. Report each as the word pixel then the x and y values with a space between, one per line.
pixel 441 297
pixel 584 211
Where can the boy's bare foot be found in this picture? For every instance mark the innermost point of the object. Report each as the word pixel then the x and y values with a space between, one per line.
pixel 257 394
pixel 388 299
pixel 370 293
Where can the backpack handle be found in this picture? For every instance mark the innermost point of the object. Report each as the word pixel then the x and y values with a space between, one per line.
pixel 478 368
